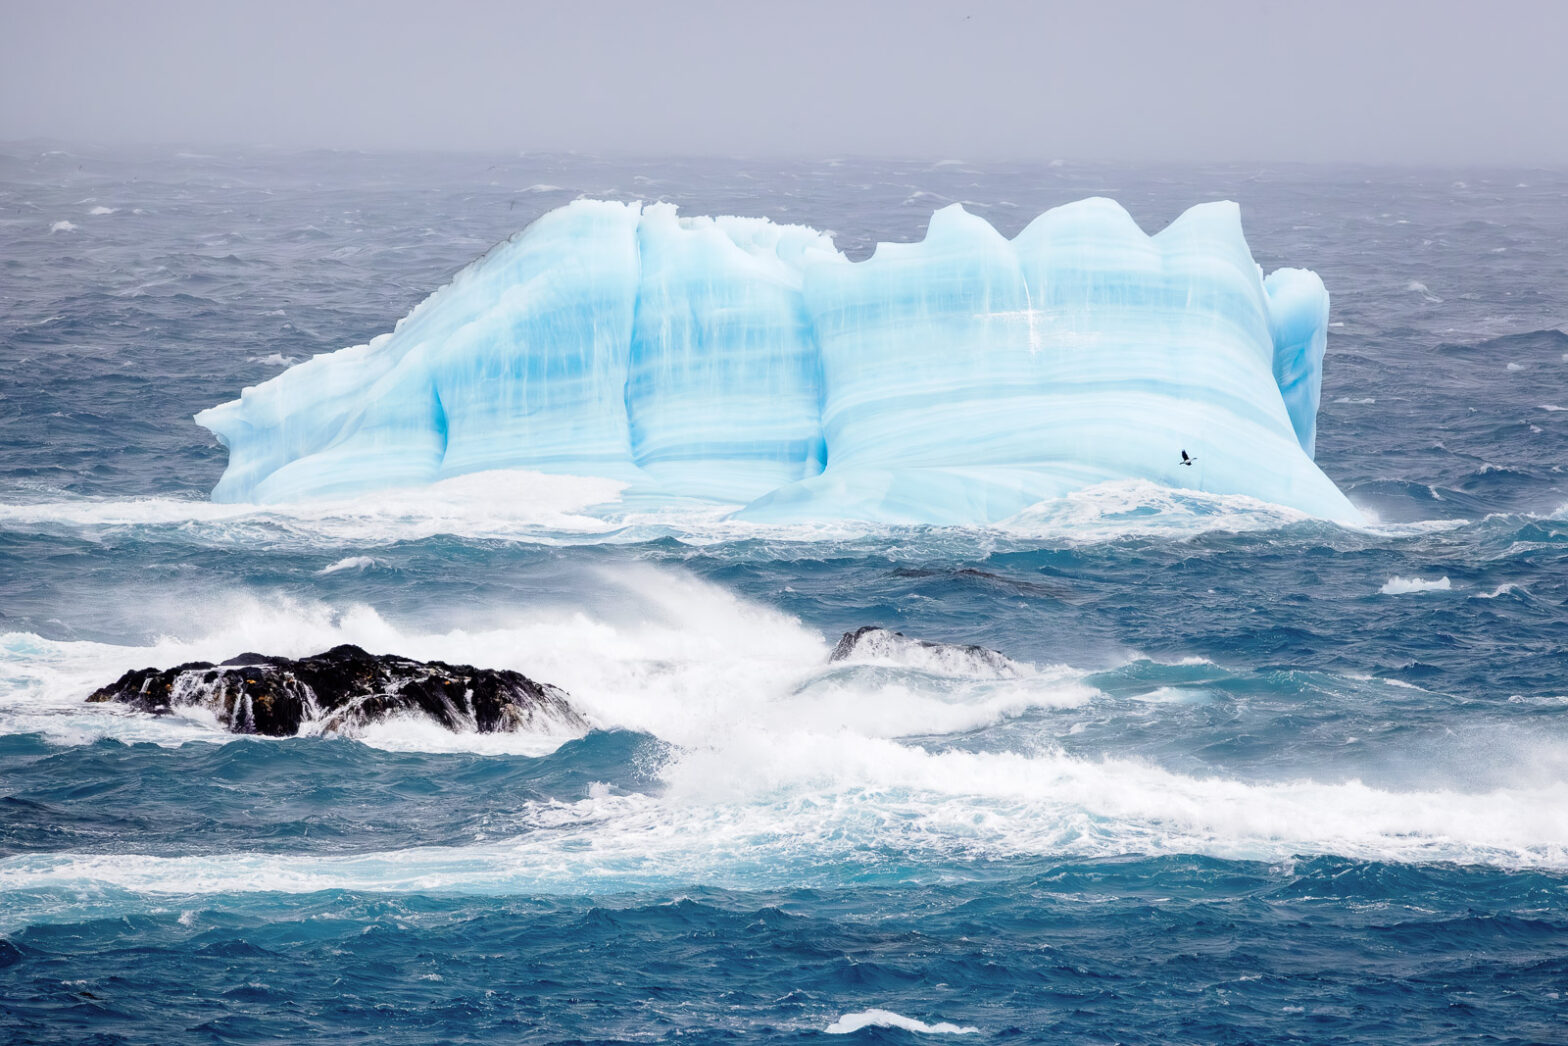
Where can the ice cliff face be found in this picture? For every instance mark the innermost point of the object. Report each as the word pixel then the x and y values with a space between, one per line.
pixel 956 380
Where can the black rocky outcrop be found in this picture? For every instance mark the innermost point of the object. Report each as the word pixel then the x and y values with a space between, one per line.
pixel 882 644
pixel 344 689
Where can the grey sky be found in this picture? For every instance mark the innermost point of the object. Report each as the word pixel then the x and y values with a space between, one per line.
pixel 1440 81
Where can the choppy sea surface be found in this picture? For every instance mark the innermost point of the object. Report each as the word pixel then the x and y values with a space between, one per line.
pixel 1254 778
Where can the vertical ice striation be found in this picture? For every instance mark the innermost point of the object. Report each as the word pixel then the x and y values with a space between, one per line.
pixel 724 394
pixel 922 342
pixel 968 377
pixel 519 362
pixel 1298 324
pixel 955 380
pixel 533 374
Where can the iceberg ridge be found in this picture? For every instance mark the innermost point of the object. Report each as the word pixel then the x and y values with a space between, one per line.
pixel 959 379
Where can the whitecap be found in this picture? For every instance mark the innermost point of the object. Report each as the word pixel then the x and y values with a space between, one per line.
pixel 350 563
pixel 1127 508
pixel 1398 586
pixel 850 1023
pixel 276 359
pixel 766 811
pixel 507 504
pixel 773 768
pixel 567 510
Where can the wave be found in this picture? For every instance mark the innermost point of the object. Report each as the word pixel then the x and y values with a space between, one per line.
pixel 777 768
pixel 350 563
pixel 850 1023
pixel 1111 511
pixel 1546 339
pixel 639 648
pixel 556 510
pixel 1399 586
pixel 809 811
pixel 275 359
pixel 520 505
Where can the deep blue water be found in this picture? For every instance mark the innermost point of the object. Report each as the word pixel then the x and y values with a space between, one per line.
pixel 1260 778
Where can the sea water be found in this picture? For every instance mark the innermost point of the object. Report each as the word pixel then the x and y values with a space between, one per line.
pixel 1247 775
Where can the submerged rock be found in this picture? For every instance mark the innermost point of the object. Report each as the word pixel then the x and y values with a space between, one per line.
pixel 343 690
pixel 871 643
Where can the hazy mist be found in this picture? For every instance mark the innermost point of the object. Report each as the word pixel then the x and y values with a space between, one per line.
pixel 1440 81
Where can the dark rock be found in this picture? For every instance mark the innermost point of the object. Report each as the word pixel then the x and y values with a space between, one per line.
pixel 881 644
pixel 257 659
pixel 342 690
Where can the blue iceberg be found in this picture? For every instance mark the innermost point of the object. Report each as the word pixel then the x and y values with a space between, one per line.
pixel 956 380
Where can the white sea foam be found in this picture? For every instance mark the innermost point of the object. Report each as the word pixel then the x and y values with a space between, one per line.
pixel 275 359
pixel 553 509
pixel 350 563
pixel 1174 695
pixel 510 504
pixel 777 768
pixel 853 1022
pixel 63 226
pixel 101 210
pixel 664 652
pixel 416 733
pixel 916 705
pixel 1399 586
pixel 1108 511
pixel 1136 508
pixel 769 812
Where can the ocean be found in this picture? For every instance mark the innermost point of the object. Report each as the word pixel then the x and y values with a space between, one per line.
pixel 1247 777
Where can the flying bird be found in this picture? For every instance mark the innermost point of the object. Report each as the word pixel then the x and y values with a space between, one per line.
pixel 1185 460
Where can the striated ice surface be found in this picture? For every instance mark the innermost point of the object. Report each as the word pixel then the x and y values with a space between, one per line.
pixel 961 379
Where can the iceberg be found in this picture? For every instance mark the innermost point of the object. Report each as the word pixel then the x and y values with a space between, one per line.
pixel 957 380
